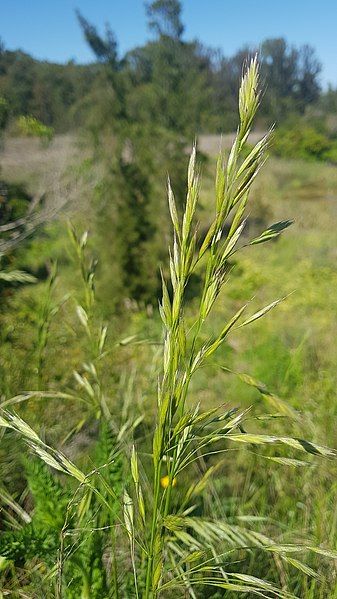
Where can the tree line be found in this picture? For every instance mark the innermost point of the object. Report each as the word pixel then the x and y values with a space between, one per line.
pixel 181 84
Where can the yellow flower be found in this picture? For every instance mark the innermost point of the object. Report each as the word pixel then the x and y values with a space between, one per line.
pixel 165 481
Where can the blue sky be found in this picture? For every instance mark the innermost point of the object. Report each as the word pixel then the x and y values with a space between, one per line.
pixel 48 29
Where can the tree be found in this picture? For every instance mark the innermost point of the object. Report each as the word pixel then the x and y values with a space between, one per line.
pixel 291 74
pixel 165 18
pixel 126 215
pixel 309 69
pixel 170 85
pixel 226 73
pixel 279 66
pixel 2 52
pixel 170 77
pixel 104 48
pixel 4 113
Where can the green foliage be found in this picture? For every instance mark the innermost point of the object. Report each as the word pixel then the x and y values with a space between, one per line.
pixel 50 498
pixel 14 202
pixel 132 232
pixel 29 126
pixel 105 50
pixel 305 142
pixel 165 18
pixel 4 113
pixel 84 572
pixel 143 145
pixel 170 82
pixel 292 75
pixel 171 86
pixel 49 92
pixel 39 538
pixel 19 547
pixel 94 535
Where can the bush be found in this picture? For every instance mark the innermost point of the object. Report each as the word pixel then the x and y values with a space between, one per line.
pixel 331 154
pixel 305 142
pixel 29 126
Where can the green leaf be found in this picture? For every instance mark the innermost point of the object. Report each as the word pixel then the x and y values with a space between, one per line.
pixel 300 444
pixel 286 461
pixel 279 404
pixel 17 276
pixel 324 552
pixel 272 232
pixel 303 567
pixel 261 313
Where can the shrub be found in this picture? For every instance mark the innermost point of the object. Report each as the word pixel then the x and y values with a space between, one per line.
pixel 29 126
pixel 304 142
pixel 331 154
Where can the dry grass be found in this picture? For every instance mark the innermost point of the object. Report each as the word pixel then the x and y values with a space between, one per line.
pixel 26 157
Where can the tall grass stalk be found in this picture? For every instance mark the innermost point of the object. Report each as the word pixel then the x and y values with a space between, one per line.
pixel 172 435
pixel 181 435
pixel 48 310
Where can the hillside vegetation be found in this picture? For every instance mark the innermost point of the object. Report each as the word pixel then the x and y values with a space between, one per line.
pixel 179 84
